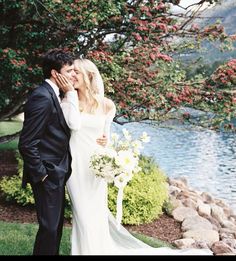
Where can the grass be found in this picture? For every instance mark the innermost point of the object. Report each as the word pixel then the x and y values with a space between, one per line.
pixel 153 242
pixel 18 239
pixel 6 128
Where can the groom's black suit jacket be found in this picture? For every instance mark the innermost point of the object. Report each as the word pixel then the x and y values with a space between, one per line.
pixel 44 140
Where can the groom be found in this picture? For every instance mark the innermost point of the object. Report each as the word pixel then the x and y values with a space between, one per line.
pixel 44 146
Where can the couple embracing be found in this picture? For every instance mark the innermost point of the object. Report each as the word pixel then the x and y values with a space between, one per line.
pixel 54 135
pixel 58 138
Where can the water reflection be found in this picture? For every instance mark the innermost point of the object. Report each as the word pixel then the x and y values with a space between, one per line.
pixel 206 158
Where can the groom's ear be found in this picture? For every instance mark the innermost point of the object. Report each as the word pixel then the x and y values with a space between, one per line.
pixel 54 73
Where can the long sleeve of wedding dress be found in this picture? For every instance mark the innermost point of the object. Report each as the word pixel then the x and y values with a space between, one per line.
pixel 70 108
pixel 108 122
pixel 94 228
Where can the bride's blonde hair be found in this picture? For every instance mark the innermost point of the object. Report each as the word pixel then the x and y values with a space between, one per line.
pixel 93 80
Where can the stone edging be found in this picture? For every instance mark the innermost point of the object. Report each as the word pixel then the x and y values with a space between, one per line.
pixel 205 222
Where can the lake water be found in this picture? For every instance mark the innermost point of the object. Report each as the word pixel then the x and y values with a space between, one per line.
pixel 207 159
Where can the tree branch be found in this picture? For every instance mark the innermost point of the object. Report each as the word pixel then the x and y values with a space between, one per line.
pixel 13 110
pixel 10 137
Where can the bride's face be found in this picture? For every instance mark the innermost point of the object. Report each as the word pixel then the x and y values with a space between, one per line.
pixel 79 84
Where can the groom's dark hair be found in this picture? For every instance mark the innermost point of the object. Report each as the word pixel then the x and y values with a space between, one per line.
pixel 55 59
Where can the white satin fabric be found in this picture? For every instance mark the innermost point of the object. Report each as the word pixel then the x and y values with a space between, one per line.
pixel 94 229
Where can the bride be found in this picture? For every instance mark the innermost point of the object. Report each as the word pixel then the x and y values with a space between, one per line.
pixel 89 115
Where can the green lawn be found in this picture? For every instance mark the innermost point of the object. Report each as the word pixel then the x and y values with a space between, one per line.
pixel 6 128
pixel 18 239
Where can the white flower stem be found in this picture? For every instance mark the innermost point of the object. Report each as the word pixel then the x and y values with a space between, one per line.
pixel 119 207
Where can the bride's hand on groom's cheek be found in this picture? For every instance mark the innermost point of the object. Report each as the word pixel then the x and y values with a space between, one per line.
pixel 63 83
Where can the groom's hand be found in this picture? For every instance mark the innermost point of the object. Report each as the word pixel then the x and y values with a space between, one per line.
pixel 63 83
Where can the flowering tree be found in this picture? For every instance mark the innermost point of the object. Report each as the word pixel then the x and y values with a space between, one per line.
pixel 221 92
pixel 132 42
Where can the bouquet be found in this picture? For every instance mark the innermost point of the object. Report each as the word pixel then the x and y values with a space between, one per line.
pixel 118 162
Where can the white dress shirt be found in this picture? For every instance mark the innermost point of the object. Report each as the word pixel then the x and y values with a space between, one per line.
pixel 55 89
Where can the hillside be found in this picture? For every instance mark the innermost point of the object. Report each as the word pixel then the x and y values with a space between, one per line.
pixel 226 13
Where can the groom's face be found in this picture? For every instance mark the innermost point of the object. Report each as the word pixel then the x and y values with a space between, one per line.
pixel 69 72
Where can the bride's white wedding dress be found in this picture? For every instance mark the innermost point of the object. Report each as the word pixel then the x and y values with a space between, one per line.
pixel 94 230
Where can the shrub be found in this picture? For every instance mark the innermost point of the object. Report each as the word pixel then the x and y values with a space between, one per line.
pixel 143 198
pixel 168 207
pixel 11 187
pixel 13 192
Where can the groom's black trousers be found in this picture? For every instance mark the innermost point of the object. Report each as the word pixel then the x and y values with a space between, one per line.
pixel 49 203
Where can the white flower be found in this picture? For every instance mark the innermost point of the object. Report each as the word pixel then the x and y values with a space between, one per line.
pixel 125 159
pixel 137 146
pixel 126 134
pixel 114 137
pixel 145 138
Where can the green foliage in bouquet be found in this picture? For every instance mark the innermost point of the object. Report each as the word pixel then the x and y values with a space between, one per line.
pixel 144 196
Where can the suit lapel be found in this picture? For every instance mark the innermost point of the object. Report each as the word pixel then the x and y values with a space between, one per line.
pixel 58 108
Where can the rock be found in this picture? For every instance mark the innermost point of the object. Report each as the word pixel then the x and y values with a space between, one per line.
pixel 181 213
pixel 218 213
pixel 207 198
pixel 177 183
pixel 184 243
pixel 195 223
pixel 174 191
pixel 221 247
pixel 226 234
pixel 228 224
pixel 204 209
pixel 230 242
pixel 208 236
pixel 205 220
pixel 188 202
pixel 200 244
pixel 175 202
pixel 214 222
